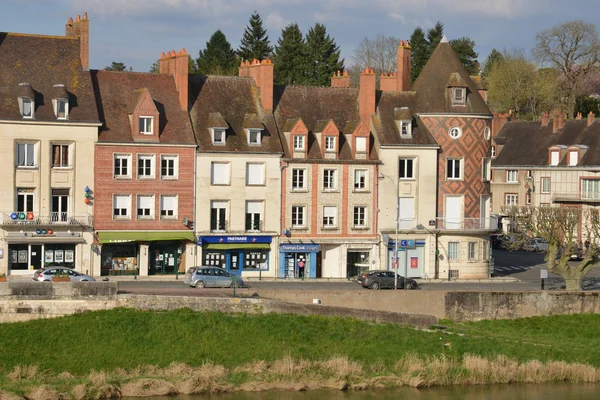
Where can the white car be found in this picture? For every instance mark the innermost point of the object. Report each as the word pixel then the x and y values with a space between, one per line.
pixel 536 244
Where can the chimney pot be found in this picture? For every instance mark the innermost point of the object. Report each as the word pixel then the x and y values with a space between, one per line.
pixel 578 115
pixel 70 21
pixel 78 18
pixel 591 118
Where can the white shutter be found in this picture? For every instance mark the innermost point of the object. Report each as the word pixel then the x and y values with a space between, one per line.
pixel 168 203
pixel 573 159
pixel 361 144
pixel 219 204
pixel 255 174
pixel 220 173
pixel 254 207
pixel 145 202
pixel 554 158
pixel 329 211
pixel 406 212
pixel 122 202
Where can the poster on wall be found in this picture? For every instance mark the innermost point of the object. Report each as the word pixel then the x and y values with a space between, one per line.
pixel 59 256
pixel 23 256
pixel 13 256
pixel 69 256
pixel 49 256
pixel 414 262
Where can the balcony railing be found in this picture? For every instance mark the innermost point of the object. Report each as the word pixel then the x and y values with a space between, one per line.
pixel 49 219
pixel 219 226
pixel 254 226
pixel 467 224
pixel 590 197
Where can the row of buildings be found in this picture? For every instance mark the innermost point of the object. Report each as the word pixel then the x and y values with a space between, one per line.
pixel 123 172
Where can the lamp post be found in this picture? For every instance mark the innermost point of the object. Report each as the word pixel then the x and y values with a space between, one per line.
pixel 396 241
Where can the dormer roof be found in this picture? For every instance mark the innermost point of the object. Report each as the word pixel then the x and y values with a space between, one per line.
pixel 25 90
pixel 456 80
pixel 251 121
pixel 59 91
pixel 216 120
pixel 402 114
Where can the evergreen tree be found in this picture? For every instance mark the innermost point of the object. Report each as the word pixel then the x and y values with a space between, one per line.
pixel 434 37
pixel 420 52
pixel 155 68
pixel 116 66
pixel 255 42
pixel 465 50
pixel 494 57
pixel 218 58
pixel 289 56
pixel 323 56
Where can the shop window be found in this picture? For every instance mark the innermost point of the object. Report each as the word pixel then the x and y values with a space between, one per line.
pixel 25 199
pixel 256 259
pixel 60 156
pixel 215 258
pixel 254 210
pixel 358 262
pixel 168 206
pixel 145 166
pixel 169 167
pixel 119 259
pixel 218 216
pixel 255 174
pixel 59 255
pixel 25 155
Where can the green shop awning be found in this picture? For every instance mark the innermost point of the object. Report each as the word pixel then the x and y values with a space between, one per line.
pixel 231 246
pixel 127 236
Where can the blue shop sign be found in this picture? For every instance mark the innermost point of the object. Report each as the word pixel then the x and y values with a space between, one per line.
pixel 308 248
pixel 234 239
pixel 406 243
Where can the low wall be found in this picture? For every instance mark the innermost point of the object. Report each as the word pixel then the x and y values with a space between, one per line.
pixel 53 290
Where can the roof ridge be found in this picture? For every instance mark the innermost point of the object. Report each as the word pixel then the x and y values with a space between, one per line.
pixel 42 36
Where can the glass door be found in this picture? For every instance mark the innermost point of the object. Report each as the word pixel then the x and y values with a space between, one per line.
pixel 60 205
pixel 236 264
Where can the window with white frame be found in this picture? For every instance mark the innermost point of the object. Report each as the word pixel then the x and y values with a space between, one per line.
pixel 493 151
pixel 545 185
pixel 453 168
pixel 360 179
pixel 145 166
pixel 360 216
pixel 527 198
pixel 61 156
pixel 573 158
pixel 146 125
pixel 329 216
pixel 554 158
pixel 145 206
pixel 219 173
pixel 361 144
pixel 486 172
pixel 455 132
pixel 472 250
pixel 298 216
pixel 25 155
pixel 254 211
pixel 590 189
pixel 298 142
pixel 61 108
pixel 329 179
pixel 25 199
pixel 122 165
pixel 511 200
pixel 298 178
pixel 169 167
pixel 254 136
pixel 512 176
pixel 330 144
pixel 218 216
pixel 121 206
pixel 453 251
pixel 255 174
pixel 405 129
pixel 459 96
pixel 218 135
pixel 27 106
pixel 168 206
pixel 406 168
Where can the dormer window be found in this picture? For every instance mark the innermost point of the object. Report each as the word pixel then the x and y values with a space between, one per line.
pixel 26 97
pixel 62 109
pixel 60 101
pixel 361 144
pixel 146 125
pixel 554 157
pixel 573 157
pixel 459 95
pixel 298 142
pixel 27 108
pixel 330 144
pixel 218 136
pixel 254 136
pixel 405 129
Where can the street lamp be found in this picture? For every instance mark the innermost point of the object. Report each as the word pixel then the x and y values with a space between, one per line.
pixel 396 241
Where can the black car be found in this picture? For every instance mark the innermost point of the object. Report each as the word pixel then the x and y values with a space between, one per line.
pixel 382 279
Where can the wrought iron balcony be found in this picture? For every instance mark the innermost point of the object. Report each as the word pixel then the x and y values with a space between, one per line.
pixel 254 226
pixel 467 224
pixel 219 226
pixel 48 219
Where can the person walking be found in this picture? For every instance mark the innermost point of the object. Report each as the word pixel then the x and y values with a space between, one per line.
pixel 301 269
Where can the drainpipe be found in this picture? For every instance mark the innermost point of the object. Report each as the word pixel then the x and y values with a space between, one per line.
pixel 282 167
pixel 376 224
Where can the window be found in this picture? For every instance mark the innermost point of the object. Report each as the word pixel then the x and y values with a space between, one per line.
pixel 218 136
pixel 25 200
pixel 405 129
pixel 27 107
pixel 512 176
pixel 453 168
pixel 219 174
pixel 545 185
pixel 528 198
pixel 361 144
pixel 298 181
pixel 122 166
pixel 360 213
pixel 458 96
pixel 145 207
pixel 168 206
pixel 169 166
pixel 529 174
pixel 145 166
pixel 329 216
pixel 590 189
pixel 511 200
pixel 487 133
pixel 60 156
pixel 406 168
pixel 60 205
pixel 255 174
pixel 330 144
pixel 472 251
pixel 254 136
pixel 493 151
pixel 298 142
pixel 360 179
pixel 329 179
pixel 218 216
pixel 455 132
pixel 25 155
pixel 62 109
pixel 573 158
pixel 146 125
pixel 121 206
pixel 453 251
pixel 554 158
pixel 254 210
pixel 298 215
pixel 486 172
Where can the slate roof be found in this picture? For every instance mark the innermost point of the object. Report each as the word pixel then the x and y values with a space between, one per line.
pixel 117 94
pixel 527 143
pixel 235 99
pixel 44 61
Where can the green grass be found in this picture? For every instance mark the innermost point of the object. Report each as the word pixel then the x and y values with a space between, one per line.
pixel 124 338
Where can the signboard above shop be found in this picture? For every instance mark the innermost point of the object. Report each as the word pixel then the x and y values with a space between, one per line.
pixel 234 239
pixel 308 248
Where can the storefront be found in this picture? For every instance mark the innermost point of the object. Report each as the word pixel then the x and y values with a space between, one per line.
pixel 298 260
pixel 30 257
pixel 411 257
pixel 120 259
pixel 236 254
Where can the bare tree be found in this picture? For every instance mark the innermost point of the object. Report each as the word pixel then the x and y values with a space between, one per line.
pixel 573 48
pixel 379 53
pixel 560 227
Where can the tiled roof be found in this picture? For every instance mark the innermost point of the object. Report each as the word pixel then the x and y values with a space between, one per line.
pixel 44 61
pixel 235 99
pixel 117 95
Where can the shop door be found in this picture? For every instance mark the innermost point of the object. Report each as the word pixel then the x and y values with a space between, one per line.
pixel 36 256
pixel 165 261
pixel 236 262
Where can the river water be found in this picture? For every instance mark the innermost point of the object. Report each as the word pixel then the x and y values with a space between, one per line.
pixel 558 391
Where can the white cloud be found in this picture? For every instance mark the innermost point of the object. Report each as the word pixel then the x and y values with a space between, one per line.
pixel 276 21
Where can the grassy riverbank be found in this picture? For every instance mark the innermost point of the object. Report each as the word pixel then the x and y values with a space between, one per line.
pixel 127 351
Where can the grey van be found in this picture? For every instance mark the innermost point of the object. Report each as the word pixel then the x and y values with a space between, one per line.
pixel 201 277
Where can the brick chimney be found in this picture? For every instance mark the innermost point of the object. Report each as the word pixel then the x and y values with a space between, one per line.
pixel 590 118
pixel 545 118
pixel 404 55
pixel 388 82
pixel 579 116
pixel 366 96
pixel 81 29
pixel 558 121
pixel 262 72
pixel 176 64
pixel 498 122
pixel 341 80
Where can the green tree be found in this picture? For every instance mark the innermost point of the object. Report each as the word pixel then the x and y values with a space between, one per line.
pixel 465 50
pixel 155 68
pixel 323 56
pixel 494 57
pixel 420 52
pixel 289 56
pixel 434 37
pixel 255 42
pixel 116 66
pixel 218 58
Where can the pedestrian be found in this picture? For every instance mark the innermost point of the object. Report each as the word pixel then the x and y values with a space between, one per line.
pixel 301 269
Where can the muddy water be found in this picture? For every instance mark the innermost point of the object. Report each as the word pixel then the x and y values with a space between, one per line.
pixel 496 392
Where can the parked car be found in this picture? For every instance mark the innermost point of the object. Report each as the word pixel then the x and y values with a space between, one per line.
pixel 201 277
pixel 536 244
pixel 382 279
pixel 45 274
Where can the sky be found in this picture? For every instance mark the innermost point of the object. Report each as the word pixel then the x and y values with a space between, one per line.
pixel 136 32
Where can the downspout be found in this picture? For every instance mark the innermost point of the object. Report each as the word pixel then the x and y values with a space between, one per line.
pixel 377 214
